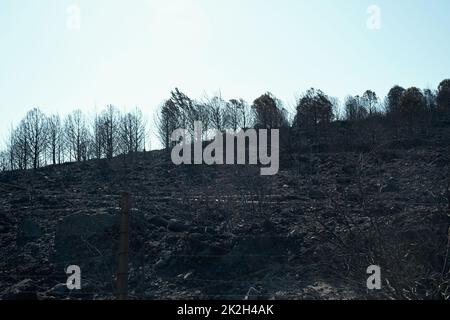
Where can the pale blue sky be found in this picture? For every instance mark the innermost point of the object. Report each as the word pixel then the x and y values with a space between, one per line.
pixel 134 52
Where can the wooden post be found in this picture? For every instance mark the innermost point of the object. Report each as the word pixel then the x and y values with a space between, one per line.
pixel 122 268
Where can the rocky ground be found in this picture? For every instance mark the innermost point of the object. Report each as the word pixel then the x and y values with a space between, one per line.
pixel 309 232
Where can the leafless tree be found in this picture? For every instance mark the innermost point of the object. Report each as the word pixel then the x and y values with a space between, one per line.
pixel 109 128
pixel 19 148
pixel 76 135
pixel 218 112
pixel 97 138
pixel 371 102
pixel 239 114
pixel 55 138
pixel 354 109
pixel 167 120
pixel 4 161
pixel 187 110
pixel 36 130
pixel 132 132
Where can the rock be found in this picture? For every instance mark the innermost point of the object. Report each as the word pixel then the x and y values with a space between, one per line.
pixel 24 290
pixel 177 226
pixel 158 221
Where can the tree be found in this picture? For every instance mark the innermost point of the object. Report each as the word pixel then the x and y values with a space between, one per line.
pixel 412 103
pixel 313 109
pixel 239 114
pixel 187 110
pixel 4 161
pixel 430 99
pixel 36 130
pixel 76 135
pixel 370 102
pixel 168 120
pixel 97 138
pixel 109 124
pixel 443 96
pixel 393 99
pixel 19 147
pixel 55 136
pixel 269 113
pixel 132 132
pixel 354 109
pixel 219 116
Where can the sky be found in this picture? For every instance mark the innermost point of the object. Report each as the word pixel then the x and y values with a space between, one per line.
pixel 61 55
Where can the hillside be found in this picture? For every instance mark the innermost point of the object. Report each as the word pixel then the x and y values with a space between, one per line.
pixel 200 232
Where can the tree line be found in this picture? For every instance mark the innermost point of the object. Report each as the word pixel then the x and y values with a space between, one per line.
pixel 314 110
pixel 41 140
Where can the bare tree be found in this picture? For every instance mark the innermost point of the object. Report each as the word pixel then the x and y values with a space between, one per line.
pixel 109 124
pixel 187 110
pixel 168 119
pixel 4 161
pixel 430 99
pixel 76 135
pixel 55 138
pixel 132 132
pixel 218 112
pixel 354 109
pixel 239 114
pixel 97 138
pixel 36 130
pixel 370 102
pixel 19 147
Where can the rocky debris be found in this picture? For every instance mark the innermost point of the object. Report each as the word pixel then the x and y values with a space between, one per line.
pixel 221 233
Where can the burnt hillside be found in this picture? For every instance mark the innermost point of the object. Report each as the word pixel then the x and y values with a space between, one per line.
pixel 341 202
